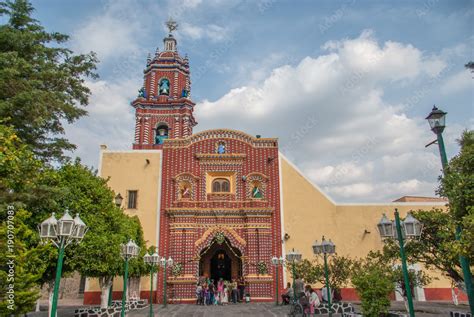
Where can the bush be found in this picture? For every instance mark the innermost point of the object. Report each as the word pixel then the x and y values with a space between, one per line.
pixel 373 281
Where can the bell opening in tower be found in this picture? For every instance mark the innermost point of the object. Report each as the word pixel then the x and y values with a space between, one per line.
pixel 161 133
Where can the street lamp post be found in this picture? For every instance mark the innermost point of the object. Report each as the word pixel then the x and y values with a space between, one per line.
pixel 326 248
pixel 437 121
pixel 165 264
pixel 293 257
pixel 61 233
pixel 409 228
pixel 129 250
pixel 153 260
pixel 277 262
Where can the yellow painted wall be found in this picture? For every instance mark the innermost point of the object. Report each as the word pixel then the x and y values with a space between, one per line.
pixel 309 214
pixel 129 170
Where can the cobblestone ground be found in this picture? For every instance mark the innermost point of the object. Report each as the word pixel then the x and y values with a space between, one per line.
pixel 422 309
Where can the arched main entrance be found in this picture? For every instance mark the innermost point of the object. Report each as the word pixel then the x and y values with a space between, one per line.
pixel 220 261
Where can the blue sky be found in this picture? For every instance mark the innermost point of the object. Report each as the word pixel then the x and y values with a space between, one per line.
pixel 344 85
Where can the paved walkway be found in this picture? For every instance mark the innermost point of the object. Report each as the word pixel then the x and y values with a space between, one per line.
pixel 422 309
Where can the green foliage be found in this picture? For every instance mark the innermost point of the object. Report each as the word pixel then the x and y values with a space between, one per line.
pixel 307 270
pixel 18 167
pixel 339 267
pixel 340 270
pixel 372 278
pixel 457 184
pixel 24 258
pixel 98 254
pixel 42 84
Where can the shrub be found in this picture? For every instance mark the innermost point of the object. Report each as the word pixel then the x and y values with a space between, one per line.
pixel 373 281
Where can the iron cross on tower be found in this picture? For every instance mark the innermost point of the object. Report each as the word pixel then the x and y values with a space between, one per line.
pixel 172 25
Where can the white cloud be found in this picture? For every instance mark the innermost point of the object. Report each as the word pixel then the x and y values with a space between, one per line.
pixel 331 117
pixel 458 82
pixel 110 121
pixel 212 32
pixel 112 33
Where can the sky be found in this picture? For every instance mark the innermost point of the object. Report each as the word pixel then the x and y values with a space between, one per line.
pixel 344 85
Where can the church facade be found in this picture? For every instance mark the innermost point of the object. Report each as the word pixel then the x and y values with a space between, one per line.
pixel 222 203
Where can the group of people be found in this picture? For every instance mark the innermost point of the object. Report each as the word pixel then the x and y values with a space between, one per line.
pixel 221 293
pixel 306 295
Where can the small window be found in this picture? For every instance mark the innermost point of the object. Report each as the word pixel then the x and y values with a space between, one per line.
pixel 132 199
pixel 220 185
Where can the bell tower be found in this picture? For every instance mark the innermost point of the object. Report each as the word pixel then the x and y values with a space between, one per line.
pixel 163 108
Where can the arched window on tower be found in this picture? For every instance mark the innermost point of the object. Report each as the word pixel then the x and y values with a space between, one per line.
pixel 164 87
pixel 221 185
pixel 161 133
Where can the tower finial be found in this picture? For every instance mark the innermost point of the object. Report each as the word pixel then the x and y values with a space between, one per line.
pixel 172 25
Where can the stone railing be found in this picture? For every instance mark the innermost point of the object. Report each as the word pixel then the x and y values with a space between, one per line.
pixel 336 308
pixel 112 311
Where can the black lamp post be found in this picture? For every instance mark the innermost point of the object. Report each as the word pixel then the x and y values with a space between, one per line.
pixel 437 121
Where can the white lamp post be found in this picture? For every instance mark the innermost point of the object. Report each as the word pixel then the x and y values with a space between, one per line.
pixel 293 257
pixel 61 233
pixel 326 247
pixel 153 260
pixel 165 263
pixel 129 250
pixel 277 262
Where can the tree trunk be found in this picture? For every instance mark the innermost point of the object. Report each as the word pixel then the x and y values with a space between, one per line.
pixel 105 283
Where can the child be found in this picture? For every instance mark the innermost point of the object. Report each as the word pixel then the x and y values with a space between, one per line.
pixel 206 294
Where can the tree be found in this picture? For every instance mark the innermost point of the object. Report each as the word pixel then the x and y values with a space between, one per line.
pixel 18 171
pixel 339 267
pixel 308 271
pixel 98 255
pixel 42 84
pixel 372 278
pixel 21 263
pixel 457 184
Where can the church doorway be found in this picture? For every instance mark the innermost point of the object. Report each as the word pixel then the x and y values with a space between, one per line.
pixel 220 261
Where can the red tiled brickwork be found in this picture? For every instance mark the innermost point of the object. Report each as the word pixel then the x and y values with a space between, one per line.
pixel 251 226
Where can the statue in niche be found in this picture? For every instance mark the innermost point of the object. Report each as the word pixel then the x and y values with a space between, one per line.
pixel 161 134
pixel 185 191
pixel 256 191
pixel 221 148
pixel 164 87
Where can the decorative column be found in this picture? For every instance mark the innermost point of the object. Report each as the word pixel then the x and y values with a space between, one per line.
pixel 146 134
pixel 152 85
pixel 137 130
pixel 176 127
pixel 185 126
pixel 175 86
